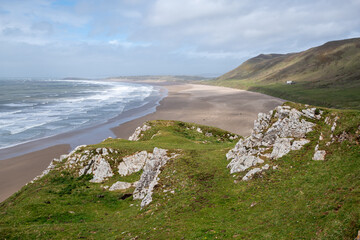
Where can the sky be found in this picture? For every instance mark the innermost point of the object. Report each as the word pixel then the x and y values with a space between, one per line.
pixel 93 38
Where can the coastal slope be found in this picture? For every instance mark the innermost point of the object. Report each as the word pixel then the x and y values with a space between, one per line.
pixel 328 75
pixel 233 110
pixel 177 180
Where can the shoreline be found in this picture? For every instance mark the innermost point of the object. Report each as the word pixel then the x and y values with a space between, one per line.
pixel 226 108
pixel 86 135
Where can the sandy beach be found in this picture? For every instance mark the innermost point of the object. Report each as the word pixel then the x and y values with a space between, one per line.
pixel 230 109
pixel 226 108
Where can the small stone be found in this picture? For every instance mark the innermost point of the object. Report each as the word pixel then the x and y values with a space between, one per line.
pixel 265 167
pixel 319 155
pixel 105 152
pixel 120 186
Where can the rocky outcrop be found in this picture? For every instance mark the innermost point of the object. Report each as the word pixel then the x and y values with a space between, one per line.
pixel 55 161
pixel 94 162
pixel 97 162
pixel 133 163
pixel 274 135
pixel 99 167
pixel 139 132
pixel 150 176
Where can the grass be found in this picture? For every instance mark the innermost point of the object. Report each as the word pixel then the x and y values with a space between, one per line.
pixel 327 75
pixel 302 199
pixel 339 97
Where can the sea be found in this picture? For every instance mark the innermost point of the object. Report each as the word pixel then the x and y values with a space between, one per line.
pixel 32 109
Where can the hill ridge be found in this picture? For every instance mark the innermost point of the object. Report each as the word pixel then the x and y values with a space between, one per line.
pixel 326 75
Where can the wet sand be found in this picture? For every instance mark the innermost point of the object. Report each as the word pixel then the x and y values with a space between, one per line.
pixel 230 109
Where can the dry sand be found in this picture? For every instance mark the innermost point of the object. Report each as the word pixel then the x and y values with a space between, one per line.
pixel 226 108
pixel 230 109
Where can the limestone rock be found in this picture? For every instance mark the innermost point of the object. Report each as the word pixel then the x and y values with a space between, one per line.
pixel 274 135
pixel 282 146
pixel 138 132
pixel 133 163
pixel 241 163
pixel 251 174
pixel 149 178
pixel 297 145
pixel 199 130
pixel 311 113
pixel 265 167
pixel 334 124
pixel 319 155
pixel 99 167
pixel 327 120
pixel 120 186
pixel 233 137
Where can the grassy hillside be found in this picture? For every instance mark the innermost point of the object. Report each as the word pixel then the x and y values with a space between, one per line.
pixel 302 199
pixel 328 75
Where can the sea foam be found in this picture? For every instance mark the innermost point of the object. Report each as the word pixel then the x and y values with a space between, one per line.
pixel 32 109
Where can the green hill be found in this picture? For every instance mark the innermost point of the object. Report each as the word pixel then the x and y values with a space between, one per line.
pixel 196 196
pixel 328 75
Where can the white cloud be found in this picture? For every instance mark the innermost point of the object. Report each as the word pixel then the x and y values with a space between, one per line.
pixel 163 36
pixel 224 25
pixel 128 44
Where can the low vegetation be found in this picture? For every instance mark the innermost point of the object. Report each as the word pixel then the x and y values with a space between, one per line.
pixel 197 197
pixel 328 75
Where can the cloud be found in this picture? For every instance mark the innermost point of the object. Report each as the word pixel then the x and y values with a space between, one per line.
pixel 228 25
pixel 169 12
pixel 128 44
pixel 119 37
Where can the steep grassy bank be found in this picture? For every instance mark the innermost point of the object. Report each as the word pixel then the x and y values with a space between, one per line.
pixel 328 75
pixel 197 197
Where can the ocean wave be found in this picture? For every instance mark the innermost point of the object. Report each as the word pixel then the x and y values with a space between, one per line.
pixel 62 107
